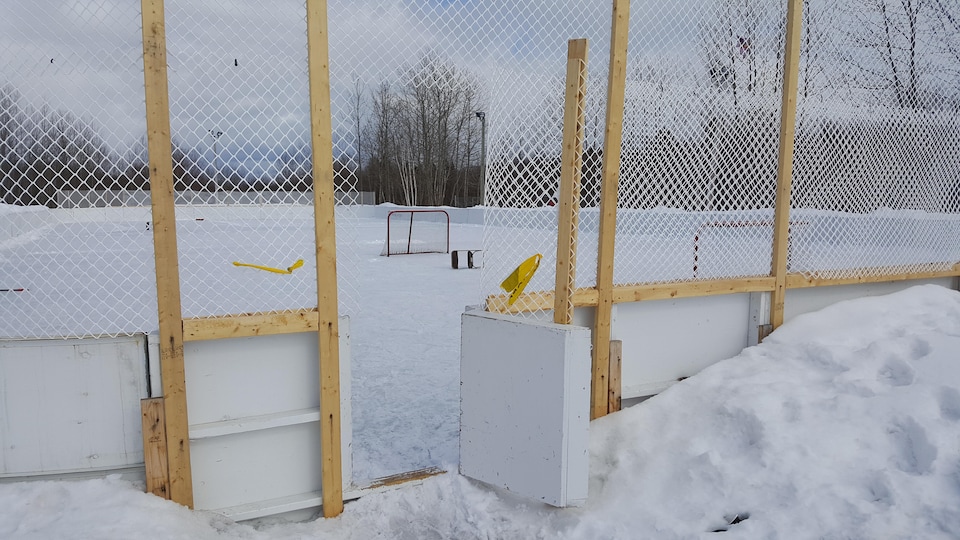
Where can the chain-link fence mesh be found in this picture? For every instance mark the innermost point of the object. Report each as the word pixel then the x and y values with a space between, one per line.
pixel 240 122
pixel 877 166
pixel 424 94
pixel 76 255
pixel 72 146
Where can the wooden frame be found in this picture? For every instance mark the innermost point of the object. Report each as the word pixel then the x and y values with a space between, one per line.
pixel 165 420
pixel 254 324
pixel 588 297
pixel 571 170
pixel 165 252
pixel 788 124
pixel 321 134
pixel 609 192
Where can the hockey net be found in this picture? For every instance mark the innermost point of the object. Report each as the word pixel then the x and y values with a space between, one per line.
pixel 417 231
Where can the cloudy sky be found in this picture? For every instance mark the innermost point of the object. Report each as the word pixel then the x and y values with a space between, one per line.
pixel 238 66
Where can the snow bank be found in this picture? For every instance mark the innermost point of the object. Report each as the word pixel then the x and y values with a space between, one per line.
pixel 844 423
pixel 23 223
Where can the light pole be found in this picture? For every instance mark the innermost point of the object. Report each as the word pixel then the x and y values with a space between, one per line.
pixel 483 153
pixel 216 156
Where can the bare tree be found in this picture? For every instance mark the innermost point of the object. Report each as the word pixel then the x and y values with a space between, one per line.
pixel 902 45
pixel 420 136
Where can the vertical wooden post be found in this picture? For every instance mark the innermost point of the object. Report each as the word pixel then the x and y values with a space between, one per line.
pixel 616 362
pixel 155 447
pixel 323 203
pixel 165 251
pixel 571 170
pixel 609 192
pixel 788 124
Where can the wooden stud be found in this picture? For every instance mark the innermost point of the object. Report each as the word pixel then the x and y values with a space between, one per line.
pixel 616 361
pixel 609 192
pixel 788 124
pixel 165 251
pixel 324 207
pixel 571 168
pixel 254 324
pixel 155 447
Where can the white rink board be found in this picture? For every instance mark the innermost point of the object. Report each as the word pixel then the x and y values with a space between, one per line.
pixel 71 406
pixel 525 406
pixel 254 412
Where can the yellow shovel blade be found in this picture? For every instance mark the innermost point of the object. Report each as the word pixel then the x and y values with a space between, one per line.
pixel 518 279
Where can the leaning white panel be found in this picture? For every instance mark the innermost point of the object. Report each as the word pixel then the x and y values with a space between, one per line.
pixel 524 406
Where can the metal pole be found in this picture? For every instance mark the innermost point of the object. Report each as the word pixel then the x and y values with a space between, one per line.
pixel 483 155
pixel 216 155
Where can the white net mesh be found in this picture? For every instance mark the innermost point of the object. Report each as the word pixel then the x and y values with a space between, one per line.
pixel 76 254
pixel 425 95
pixel 417 231
pixel 877 162
pixel 240 121
pixel 72 145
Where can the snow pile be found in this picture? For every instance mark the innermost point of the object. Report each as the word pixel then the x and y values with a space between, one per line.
pixel 843 424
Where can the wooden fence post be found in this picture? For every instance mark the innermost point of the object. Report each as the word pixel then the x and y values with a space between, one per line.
pixel 165 251
pixel 571 169
pixel 155 447
pixel 609 192
pixel 326 245
pixel 615 391
pixel 788 124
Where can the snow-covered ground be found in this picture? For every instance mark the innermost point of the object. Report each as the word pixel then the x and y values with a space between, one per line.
pixel 844 423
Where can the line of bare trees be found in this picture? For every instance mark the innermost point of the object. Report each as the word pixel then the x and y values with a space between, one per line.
pixel 421 139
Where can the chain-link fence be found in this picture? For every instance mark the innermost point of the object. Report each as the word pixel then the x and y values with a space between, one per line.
pixel 877 167
pixel 76 255
pixel 425 94
pixel 239 107
pixel 72 135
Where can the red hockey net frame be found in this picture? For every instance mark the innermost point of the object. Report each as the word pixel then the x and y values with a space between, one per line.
pixel 409 243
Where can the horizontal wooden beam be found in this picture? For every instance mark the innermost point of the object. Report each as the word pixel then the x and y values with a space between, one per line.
pixel 539 301
pixel 254 324
pixel 690 289
pixel 870 275
pixel 587 297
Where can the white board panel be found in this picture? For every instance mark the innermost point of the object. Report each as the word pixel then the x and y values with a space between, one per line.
pixel 255 466
pixel 664 340
pixel 253 408
pixel 800 301
pixel 71 405
pixel 250 376
pixel 525 406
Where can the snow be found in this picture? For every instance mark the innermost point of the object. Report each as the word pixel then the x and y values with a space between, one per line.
pixel 844 423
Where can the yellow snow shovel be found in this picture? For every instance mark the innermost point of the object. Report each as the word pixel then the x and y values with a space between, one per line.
pixel 518 279
pixel 289 269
